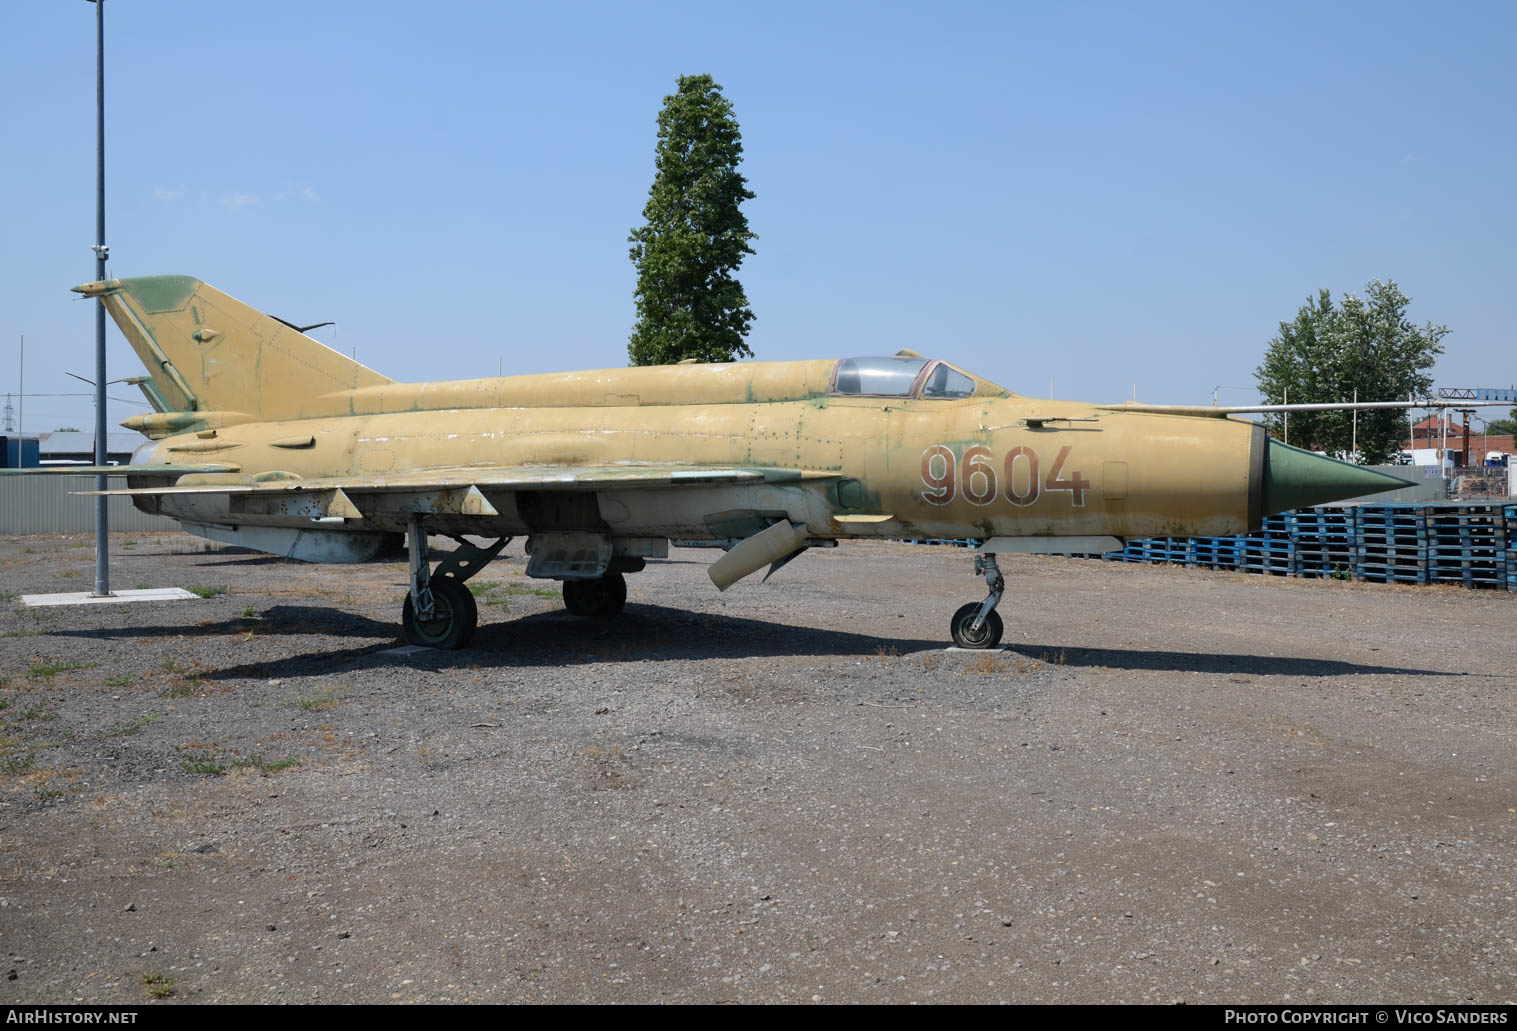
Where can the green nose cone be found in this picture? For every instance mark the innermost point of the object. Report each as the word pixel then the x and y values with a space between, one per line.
pixel 1299 479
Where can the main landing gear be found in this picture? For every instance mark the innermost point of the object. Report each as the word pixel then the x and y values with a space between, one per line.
pixel 977 625
pixel 439 611
pixel 451 621
pixel 600 598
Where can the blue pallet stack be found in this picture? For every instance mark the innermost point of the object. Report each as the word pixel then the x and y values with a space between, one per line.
pixel 1324 541
pixel 1169 550
pixel 1215 552
pixel 1466 545
pixel 1269 549
pixel 1390 544
pixel 1130 551
pixel 1509 522
pixel 1471 544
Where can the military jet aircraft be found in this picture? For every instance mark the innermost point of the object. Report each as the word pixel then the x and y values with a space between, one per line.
pixel 266 438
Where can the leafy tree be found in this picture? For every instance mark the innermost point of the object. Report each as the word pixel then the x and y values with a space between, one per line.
pixel 1327 352
pixel 689 304
pixel 1503 427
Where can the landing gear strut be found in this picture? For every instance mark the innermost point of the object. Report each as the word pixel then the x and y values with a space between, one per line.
pixel 977 624
pixel 439 611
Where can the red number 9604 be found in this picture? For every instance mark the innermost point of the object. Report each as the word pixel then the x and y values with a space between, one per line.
pixel 977 477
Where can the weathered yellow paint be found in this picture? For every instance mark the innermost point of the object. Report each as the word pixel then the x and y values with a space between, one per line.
pixel 659 451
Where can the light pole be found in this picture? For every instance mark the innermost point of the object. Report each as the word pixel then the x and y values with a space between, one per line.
pixel 102 527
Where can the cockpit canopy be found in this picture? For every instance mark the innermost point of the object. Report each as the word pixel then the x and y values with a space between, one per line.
pixel 900 376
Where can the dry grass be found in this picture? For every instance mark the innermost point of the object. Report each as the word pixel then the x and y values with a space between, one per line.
pixel 50 782
pixel 326 698
pixel 986 664
pixel 181 687
pixel 604 765
pixel 1002 664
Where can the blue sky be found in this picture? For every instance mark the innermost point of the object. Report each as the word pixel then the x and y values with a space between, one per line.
pixel 1101 195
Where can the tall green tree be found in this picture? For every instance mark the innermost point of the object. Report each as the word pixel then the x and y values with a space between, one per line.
pixel 689 303
pixel 1503 427
pixel 1328 351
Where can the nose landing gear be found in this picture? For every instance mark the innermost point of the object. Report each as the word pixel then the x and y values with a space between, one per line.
pixel 977 625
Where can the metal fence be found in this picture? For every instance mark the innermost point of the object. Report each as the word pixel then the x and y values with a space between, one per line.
pixel 49 504
pixel 1429 484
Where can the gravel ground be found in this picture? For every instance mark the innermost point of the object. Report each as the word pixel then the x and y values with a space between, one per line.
pixel 1176 785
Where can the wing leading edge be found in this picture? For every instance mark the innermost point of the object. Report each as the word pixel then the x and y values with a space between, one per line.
pixel 457 490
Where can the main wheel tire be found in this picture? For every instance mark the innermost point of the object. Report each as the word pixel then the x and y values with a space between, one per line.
pixel 987 636
pixel 454 617
pixel 601 598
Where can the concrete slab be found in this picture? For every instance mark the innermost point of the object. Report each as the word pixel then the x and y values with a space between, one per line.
pixel 115 597
pixel 406 649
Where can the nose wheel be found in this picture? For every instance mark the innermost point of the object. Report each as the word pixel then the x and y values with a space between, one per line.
pixel 966 634
pixel 978 625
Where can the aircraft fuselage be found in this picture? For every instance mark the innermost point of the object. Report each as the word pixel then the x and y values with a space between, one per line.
pixel 989 465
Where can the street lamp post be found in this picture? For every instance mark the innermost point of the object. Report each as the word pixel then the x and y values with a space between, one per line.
pixel 102 527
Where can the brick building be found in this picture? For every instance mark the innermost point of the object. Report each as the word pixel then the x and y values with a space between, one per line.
pixel 1429 433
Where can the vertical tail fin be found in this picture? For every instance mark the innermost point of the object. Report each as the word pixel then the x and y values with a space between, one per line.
pixel 206 351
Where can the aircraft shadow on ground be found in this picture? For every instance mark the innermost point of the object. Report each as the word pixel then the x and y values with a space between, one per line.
pixel 556 638
pixel 277 621
pixel 543 639
pixel 255 560
pixel 656 631
pixel 1209 662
